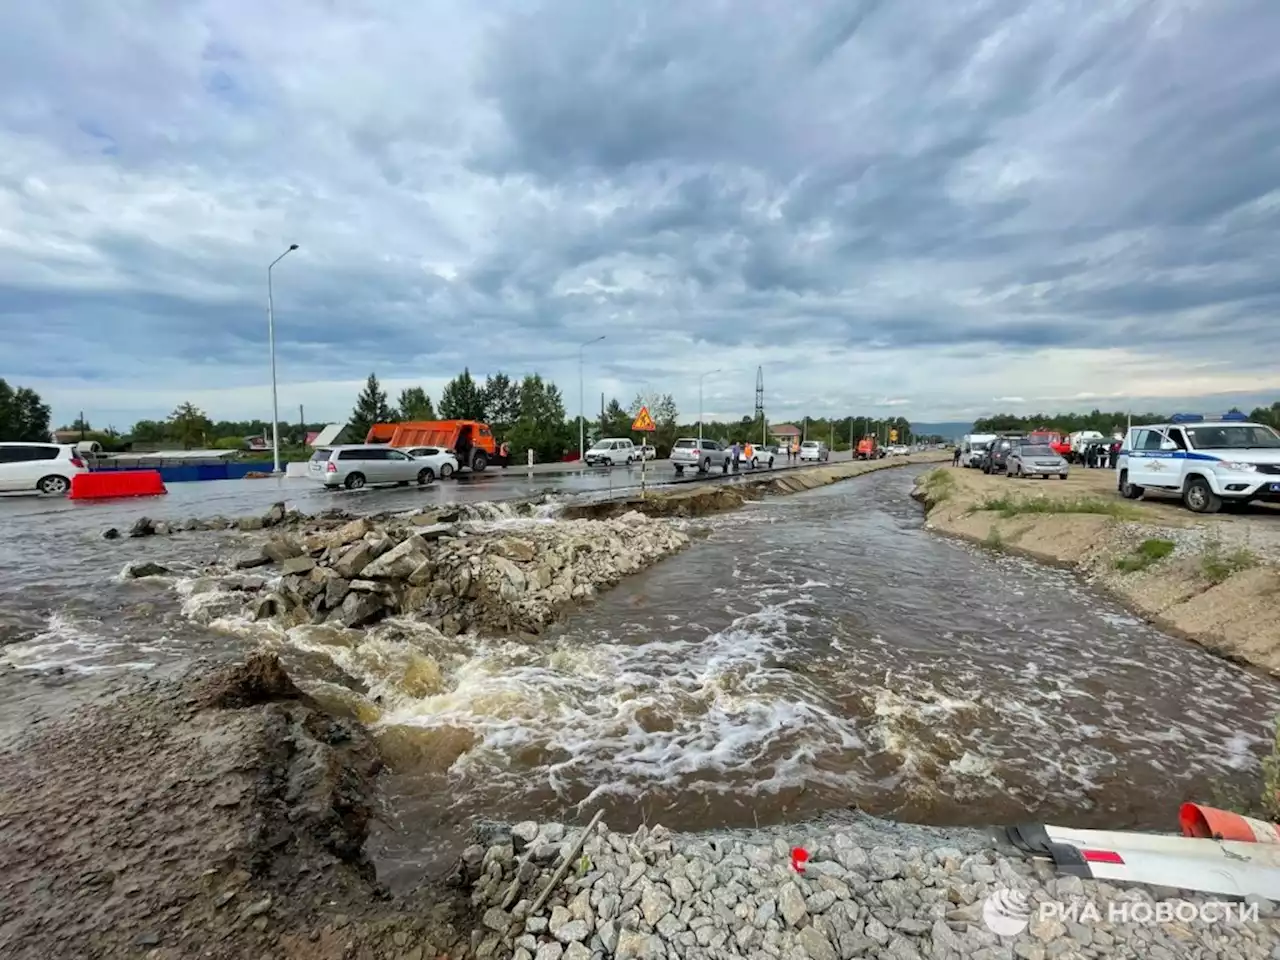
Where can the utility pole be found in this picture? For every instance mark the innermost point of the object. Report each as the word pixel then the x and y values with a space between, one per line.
pixel 582 408
pixel 302 425
pixel 760 403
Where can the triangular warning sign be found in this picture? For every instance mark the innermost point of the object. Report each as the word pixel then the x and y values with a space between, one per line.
pixel 643 422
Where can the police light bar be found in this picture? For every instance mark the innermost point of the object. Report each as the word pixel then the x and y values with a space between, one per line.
pixel 1234 416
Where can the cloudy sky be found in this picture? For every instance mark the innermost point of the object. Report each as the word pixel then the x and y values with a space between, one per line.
pixel 931 208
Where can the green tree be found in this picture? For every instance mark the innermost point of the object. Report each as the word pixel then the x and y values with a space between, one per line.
pixel 615 422
pixel 415 405
pixel 371 407
pixel 147 431
pixel 501 404
pixel 462 399
pixel 23 415
pixel 188 426
pixel 541 426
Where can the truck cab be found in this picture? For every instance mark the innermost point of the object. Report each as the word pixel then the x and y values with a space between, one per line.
pixel 1205 461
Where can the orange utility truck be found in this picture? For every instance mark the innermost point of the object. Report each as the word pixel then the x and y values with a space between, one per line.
pixel 471 441
pixel 869 448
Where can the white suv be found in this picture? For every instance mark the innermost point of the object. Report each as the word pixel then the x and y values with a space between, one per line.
pixel 1205 461
pixel 610 452
pixel 47 467
pixel 814 450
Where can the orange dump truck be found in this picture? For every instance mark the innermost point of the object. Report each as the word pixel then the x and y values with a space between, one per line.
pixel 471 442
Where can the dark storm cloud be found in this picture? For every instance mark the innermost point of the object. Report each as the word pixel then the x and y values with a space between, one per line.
pixel 827 180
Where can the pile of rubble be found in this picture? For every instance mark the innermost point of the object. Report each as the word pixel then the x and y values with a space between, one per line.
pixel 456 576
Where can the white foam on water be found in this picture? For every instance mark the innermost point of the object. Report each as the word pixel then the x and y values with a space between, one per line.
pixel 71 645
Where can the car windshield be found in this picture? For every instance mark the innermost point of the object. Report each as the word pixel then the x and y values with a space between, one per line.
pixel 603 445
pixel 1035 451
pixel 1244 437
pixel 809 445
pixel 981 445
pixel 686 444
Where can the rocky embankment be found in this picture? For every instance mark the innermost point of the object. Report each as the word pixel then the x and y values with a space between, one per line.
pixel 1214 580
pixel 867 889
pixel 456 573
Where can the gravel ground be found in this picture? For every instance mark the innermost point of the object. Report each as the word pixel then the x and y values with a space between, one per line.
pixel 869 889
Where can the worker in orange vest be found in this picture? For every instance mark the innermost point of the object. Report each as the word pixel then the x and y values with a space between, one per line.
pixel 748 452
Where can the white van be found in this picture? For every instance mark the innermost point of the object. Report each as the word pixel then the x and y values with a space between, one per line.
pixel 973 446
pixel 611 451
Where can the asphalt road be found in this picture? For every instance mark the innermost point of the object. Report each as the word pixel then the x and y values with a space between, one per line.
pixel 231 498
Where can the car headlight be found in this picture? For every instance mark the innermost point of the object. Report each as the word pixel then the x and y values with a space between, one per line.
pixel 1236 466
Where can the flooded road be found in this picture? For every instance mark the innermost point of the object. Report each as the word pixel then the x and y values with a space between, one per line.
pixel 813 652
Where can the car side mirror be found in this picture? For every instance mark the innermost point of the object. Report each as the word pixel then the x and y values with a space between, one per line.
pixel 1168 445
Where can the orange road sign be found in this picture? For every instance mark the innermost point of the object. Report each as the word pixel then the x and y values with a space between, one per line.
pixel 643 422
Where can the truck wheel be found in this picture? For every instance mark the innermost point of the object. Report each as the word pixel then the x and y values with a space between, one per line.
pixel 478 462
pixel 1128 490
pixel 1199 496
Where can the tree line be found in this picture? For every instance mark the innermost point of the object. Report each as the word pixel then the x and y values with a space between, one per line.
pixel 527 413
pixel 1102 421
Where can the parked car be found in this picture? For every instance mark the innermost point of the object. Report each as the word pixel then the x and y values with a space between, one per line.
pixel 995 457
pixel 611 451
pixel 442 463
pixel 647 451
pixel 701 454
pixel 1035 460
pixel 759 456
pixel 356 465
pixel 46 467
pixel 1207 461
pixel 814 450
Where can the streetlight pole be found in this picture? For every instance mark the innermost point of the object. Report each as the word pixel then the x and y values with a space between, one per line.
pixel 271 338
pixel 582 403
pixel 702 377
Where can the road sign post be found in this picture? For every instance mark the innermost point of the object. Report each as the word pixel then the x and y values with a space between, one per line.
pixel 643 423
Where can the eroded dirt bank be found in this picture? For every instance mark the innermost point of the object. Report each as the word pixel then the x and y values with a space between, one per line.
pixel 221 816
pixel 1214 580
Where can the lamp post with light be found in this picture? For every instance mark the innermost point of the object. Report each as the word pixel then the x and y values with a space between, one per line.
pixel 271 337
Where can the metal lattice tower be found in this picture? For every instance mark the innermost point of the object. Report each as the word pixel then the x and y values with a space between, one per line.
pixel 760 393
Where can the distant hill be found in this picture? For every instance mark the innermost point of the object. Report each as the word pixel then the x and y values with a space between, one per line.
pixel 951 429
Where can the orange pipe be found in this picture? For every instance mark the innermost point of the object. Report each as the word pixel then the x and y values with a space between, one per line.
pixel 1198 820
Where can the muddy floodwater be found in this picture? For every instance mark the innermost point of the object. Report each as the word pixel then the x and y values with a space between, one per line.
pixel 813 652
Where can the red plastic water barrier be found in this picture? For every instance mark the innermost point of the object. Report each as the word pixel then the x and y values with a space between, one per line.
pixel 116 483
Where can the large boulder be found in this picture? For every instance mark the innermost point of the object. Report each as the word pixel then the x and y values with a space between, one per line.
pixel 280 549
pixel 353 560
pixel 360 609
pixel 350 532
pixel 399 562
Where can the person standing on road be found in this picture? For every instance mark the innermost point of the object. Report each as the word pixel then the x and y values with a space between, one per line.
pixel 733 455
pixel 748 452
pixel 955 456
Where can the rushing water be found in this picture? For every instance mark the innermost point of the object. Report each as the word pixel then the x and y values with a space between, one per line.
pixel 814 652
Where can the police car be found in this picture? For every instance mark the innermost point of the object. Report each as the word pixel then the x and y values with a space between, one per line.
pixel 1207 461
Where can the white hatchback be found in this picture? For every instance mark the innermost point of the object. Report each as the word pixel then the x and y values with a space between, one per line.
pixel 46 467
pixel 441 462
